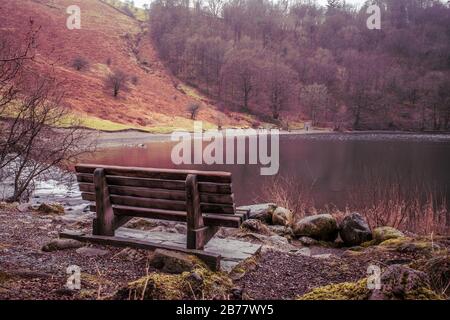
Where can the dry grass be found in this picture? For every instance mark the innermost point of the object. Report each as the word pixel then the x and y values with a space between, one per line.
pixel 414 207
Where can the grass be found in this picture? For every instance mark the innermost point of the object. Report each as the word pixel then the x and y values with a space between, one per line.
pixel 95 123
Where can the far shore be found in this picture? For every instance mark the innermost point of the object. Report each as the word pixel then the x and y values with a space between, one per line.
pixel 135 138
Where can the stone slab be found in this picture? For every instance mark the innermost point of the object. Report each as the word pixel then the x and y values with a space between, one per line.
pixel 232 251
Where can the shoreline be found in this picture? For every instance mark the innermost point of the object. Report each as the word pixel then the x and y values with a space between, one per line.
pixel 136 138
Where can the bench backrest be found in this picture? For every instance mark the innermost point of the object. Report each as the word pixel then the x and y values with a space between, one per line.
pixel 163 189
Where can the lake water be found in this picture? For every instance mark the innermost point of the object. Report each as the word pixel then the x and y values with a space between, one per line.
pixel 332 166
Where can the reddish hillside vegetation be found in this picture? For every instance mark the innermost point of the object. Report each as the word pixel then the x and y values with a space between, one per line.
pixel 108 41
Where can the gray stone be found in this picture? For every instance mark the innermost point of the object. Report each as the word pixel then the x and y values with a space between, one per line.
pixel 307 241
pixel 282 231
pixel 255 225
pixel 403 283
pixel 320 227
pixel 61 244
pixel 91 252
pixel 282 217
pixel 355 230
pixel 23 207
pixel 261 212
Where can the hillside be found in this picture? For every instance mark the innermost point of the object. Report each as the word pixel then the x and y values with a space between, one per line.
pixel 109 40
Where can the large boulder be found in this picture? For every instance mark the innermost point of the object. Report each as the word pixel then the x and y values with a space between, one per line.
pixel 282 217
pixel 402 283
pixel 355 230
pixel 320 227
pixel 382 234
pixel 261 212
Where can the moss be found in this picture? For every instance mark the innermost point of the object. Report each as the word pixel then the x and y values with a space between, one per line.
pixel 243 267
pixel 4 277
pixel 200 283
pixel 408 245
pixel 385 233
pixel 51 208
pixel 359 291
pixel 94 280
pixel 342 291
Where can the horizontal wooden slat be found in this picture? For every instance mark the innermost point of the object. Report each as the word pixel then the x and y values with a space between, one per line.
pixel 212 220
pixel 162 203
pixel 160 194
pixel 141 202
pixel 204 187
pixel 136 182
pixel 154 173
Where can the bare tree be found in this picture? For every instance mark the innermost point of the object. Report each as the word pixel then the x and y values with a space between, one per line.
pixel 314 98
pixel 30 143
pixel 193 109
pixel 117 81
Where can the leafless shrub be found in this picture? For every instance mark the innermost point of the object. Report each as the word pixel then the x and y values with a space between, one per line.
pixel 117 81
pixel 79 63
pixel 416 209
pixel 291 194
pixel 193 109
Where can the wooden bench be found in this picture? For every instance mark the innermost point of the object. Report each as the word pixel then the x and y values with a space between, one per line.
pixel 202 199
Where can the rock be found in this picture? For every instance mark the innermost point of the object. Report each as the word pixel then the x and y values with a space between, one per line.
pixel 303 252
pixel 50 208
pixel 282 231
pixel 320 227
pixel 62 244
pixel 282 217
pixel 307 241
pixel 23 207
pixel 324 256
pixel 171 261
pixel 91 252
pixel 402 283
pixel 141 224
pixel 261 212
pixel 355 230
pixel 382 234
pixel 130 254
pixel 257 226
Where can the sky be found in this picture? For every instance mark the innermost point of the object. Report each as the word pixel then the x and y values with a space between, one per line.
pixel 140 3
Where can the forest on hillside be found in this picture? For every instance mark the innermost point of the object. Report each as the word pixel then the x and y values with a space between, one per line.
pixel 297 59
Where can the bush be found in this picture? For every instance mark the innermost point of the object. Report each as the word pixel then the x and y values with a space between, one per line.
pixel 193 109
pixel 80 63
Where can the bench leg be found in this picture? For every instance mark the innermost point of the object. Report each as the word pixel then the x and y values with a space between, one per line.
pixel 104 224
pixel 197 234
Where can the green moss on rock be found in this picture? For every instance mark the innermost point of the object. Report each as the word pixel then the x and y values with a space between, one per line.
pixel 385 233
pixel 200 283
pixel 342 291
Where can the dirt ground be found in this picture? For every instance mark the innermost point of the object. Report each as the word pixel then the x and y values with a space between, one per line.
pixel 26 272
